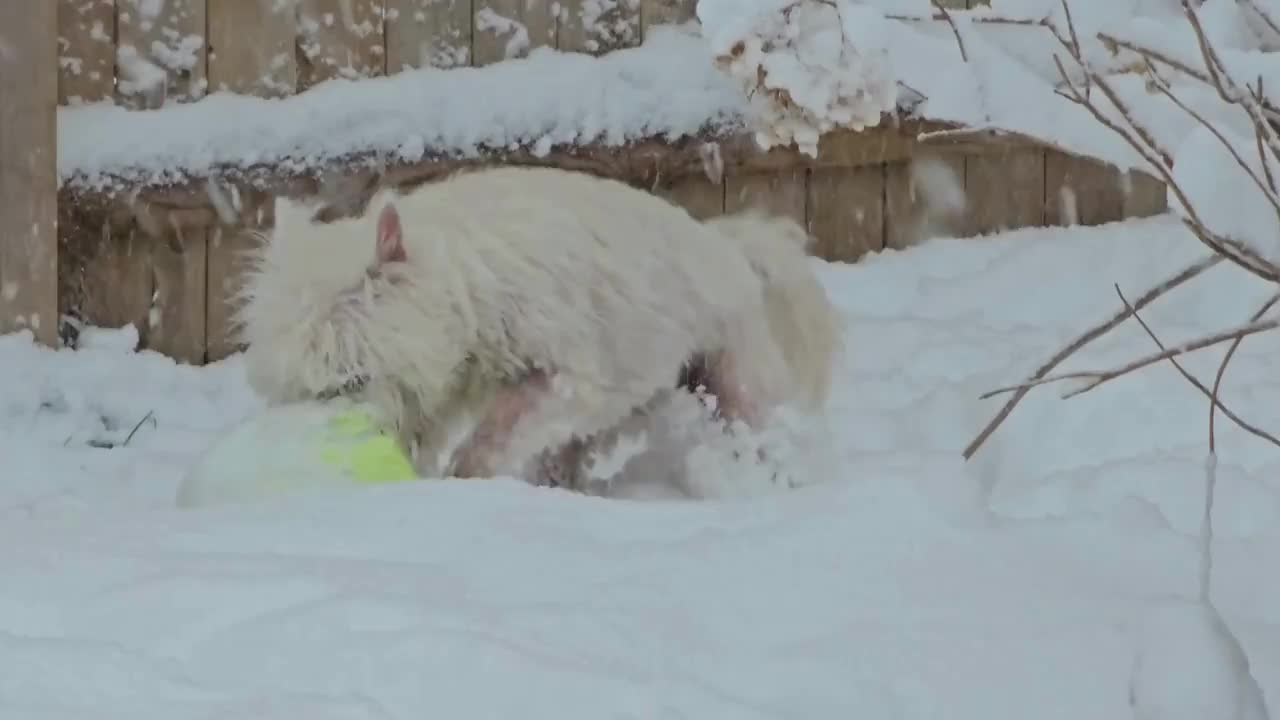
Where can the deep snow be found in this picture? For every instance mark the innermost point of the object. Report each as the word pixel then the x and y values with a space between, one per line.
pixel 903 583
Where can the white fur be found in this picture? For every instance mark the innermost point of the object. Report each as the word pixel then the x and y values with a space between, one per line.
pixel 801 319
pixel 512 269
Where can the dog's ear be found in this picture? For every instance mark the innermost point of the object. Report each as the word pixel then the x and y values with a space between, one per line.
pixel 390 246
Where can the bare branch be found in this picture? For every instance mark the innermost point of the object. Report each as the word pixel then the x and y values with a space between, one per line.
pixel 1266 17
pixel 955 30
pixel 1100 377
pixel 1141 140
pixel 1211 394
pixel 1267 191
pixel 1111 41
pixel 1087 337
pixel 1226 87
pixel 1154 56
pixel 1263 158
pixel 986 19
pixel 1222 369
pixel 1075 48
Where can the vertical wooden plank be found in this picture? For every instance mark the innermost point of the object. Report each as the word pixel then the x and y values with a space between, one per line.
pixel 251 48
pixel 1144 195
pixel 28 162
pixel 269 71
pixel 1005 190
pixel 106 270
pixel 782 193
pixel 227 265
pixel 697 194
pixel 428 33
pixel 161 52
pixel 598 26
pixel 87 50
pixel 666 12
pixel 506 29
pixel 177 317
pixel 925 198
pixel 846 214
pixel 1080 191
pixel 339 38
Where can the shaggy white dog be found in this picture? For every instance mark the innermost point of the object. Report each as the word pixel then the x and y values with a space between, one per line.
pixel 547 305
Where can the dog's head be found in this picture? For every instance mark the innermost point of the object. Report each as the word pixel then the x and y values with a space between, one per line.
pixel 328 308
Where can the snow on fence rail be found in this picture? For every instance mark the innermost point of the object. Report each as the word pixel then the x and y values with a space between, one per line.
pixel 244 101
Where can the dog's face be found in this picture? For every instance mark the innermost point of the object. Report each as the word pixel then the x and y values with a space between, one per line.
pixel 313 301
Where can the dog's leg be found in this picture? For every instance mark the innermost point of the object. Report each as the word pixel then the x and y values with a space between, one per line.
pixel 511 402
pixel 718 375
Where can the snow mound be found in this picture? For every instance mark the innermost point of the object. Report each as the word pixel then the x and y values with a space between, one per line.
pixel 807 67
pixel 666 88
pixel 897 581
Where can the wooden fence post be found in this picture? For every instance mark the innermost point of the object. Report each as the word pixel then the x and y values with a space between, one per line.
pixel 28 169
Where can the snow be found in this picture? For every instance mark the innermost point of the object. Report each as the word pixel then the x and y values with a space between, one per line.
pixel 666 88
pixel 901 583
pixel 838 65
pixel 817 66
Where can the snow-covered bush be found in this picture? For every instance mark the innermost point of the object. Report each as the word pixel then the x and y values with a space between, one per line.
pixel 808 66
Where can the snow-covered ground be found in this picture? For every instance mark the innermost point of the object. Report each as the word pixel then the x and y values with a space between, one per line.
pixel 903 583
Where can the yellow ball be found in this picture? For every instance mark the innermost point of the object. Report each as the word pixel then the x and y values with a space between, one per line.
pixel 291 448
pixel 357 446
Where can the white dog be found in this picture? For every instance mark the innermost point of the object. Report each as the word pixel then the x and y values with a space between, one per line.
pixel 550 304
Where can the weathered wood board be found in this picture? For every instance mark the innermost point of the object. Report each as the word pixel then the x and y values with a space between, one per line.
pixel 1080 191
pixel 105 275
pixel 339 38
pixel 509 29
pixel 699 195
pixel 666 12
pixel 176 325
pixel 846 212
pixel 428 33
pixel 783 193
pixel 28 162
pixel 1005 190
pixel 251 48
pixel 925 198
pixel 161 55
pixel 227 262
pixel 1144 195
pixel 86 50
pixel 598 26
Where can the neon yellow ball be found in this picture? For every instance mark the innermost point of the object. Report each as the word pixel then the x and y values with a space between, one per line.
pixel 358 447
pixel 291 448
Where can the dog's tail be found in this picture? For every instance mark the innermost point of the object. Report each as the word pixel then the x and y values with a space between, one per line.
pixel 800 316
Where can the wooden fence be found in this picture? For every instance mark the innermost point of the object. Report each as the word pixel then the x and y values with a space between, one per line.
pixel 171 278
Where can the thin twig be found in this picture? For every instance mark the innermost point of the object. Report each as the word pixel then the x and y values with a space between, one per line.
pixel 1266 17
pixel 1222 370
pixel 1100 377
pixel 1211 394
pixel 1087 337
pixel 955 30
pixel 1263 158
pixel 1267 192
pixel 1225 85
pixel 146 417
pixel 1141 140
pixel 987 19
pixel 1075 44
pixel 1155 55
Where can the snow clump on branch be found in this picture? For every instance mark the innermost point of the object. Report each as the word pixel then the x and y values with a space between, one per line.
pixel 808 66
